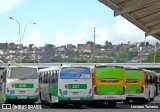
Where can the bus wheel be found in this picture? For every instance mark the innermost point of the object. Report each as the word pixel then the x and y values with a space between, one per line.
pixel 126 101
pixel 50 103
pixel 42 101
pixel 78 105
pixel 152 99
pixel 112 104
pixel 6 102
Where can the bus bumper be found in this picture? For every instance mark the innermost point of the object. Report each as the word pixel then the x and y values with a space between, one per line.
pixel 110 97
pixel 135 96
pixel 63 99
pixel 28 98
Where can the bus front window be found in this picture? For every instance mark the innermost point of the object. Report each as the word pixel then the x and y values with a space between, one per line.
pixel 23 73
pixel 75 73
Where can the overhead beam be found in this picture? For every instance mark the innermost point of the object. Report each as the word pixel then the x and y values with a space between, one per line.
pixel 135 6
pixel 153 31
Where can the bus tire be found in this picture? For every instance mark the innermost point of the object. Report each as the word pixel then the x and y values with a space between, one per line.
pixel 78 105
pixel 152 99
pixel 42 101
pixel 126 102
pixel 112 104
pixel 50 103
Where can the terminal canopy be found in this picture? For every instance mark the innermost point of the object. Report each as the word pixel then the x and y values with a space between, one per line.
pixel 145 14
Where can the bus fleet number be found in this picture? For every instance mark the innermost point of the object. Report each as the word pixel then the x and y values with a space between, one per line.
pixel 22 85
pixel 75 86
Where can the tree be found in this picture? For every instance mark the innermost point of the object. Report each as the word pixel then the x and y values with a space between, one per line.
pixel 142 44
pixel 26 60
pixel 152 55
pixel 108 44
pixel 30 46
pixel 49 48
pixel 91 43
pixel 57 59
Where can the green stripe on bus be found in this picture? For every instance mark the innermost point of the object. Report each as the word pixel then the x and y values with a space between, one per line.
pixel 53 89
pixel 28 97
pixel 62 98
pixel 22 85
pixel 76 86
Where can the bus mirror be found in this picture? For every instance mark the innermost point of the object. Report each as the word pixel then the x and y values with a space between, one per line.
pixel 61 64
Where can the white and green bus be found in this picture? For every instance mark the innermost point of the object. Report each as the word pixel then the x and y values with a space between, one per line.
pixel 66 84
pixel 20 84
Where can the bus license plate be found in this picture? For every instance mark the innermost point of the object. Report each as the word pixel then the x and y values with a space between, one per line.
pixel 75 99
pixel 22 97
pixel 132 92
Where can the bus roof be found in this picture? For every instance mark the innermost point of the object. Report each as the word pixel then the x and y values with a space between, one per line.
pixel 50 69
pixel 149 71
pixel 158 74
pixel 23 66
pixel 105 66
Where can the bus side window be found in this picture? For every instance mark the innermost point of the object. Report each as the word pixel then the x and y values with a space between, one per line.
pixel 52 77
pixel 39 77
pixel 147 81
pixel 151 80
pixel 49 77
pixel 56 77
pixel 1 78
pixel 44 78
pixel 154 80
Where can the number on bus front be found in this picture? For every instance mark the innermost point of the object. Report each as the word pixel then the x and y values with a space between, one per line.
pixel 22 85
pixel 75 86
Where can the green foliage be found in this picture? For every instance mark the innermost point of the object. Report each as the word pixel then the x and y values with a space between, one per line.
pixel 142 44
pixel 123 56
pixel 29 60
pixel 150 58
pixel 57 59
pixel 49 48
pixel 132 54
pixel 4 46
pixel 108 44
pixel 26 60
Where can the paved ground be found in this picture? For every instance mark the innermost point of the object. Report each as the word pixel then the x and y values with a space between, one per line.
pixel 98 108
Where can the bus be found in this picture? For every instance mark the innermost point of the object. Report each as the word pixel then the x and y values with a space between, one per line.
pixel 157 84
pixel 140 85
pixel 109 83
pixel 66 84
pixel 20 84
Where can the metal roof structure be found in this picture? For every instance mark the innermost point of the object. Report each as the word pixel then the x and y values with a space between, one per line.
pixel 145 14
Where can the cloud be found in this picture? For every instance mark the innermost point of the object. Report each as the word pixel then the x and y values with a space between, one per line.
pixel 121 31
pixel 62 39
pixel 36 38
pixel 6 5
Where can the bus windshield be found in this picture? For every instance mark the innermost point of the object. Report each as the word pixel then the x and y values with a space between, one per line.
pixel 110 73
pixel 75 73
pixel 23 73
pixel 133 75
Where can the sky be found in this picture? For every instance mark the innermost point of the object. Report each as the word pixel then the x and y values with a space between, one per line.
pixel 61 22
